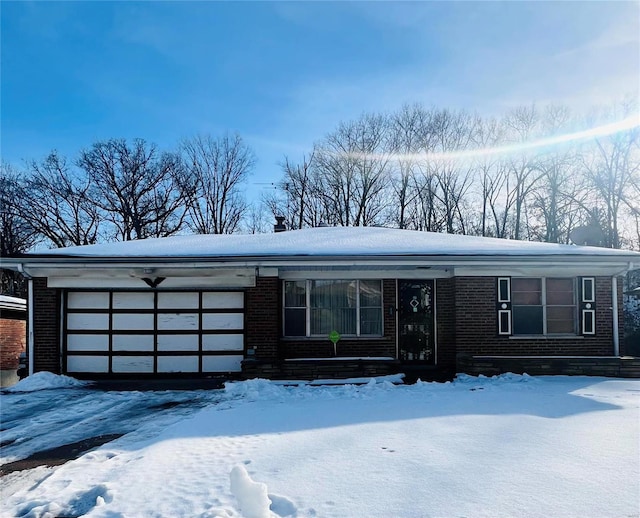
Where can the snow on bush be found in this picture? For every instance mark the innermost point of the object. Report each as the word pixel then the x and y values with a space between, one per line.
pixel 44 381
pixel 252 497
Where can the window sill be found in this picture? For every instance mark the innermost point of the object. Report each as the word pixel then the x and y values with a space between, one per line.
pixel 326 339
pixel 546 337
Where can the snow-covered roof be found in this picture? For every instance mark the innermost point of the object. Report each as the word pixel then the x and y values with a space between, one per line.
pixel 331 242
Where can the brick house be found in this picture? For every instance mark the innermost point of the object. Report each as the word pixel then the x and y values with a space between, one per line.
pixel 325 302
pixel 13 312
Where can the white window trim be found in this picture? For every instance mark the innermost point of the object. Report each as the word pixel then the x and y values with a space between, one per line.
pixel 308 309
pixel 543 295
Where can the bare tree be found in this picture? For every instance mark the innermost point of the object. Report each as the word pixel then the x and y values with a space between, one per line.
pixel 135 186
pixel 352 167
pixel 58 205
pixel 450 133
pixel 408 135
pixel 300 189
pixel 216 169
pixel 612 167
pixel 17 235
pixel 522 126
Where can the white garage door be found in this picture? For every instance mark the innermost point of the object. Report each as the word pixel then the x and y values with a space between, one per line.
pixel 159 332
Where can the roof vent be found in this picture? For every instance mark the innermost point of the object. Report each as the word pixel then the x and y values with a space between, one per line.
pixel 279 226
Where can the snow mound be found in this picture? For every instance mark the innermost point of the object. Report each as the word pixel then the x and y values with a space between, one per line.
pixel 252 497
pixel 45 381
pixel 501 379
pixel 255 389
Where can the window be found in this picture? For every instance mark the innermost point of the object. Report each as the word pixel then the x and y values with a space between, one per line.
pixel 543 306
pixel 317 307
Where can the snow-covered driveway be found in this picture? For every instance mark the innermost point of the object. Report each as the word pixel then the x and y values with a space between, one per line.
pixel 511 446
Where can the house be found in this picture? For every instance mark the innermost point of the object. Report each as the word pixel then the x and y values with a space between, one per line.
pixel 13 312
pixel 326 302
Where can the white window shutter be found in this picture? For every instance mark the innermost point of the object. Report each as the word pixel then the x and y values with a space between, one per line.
pixel 588 305
pixel 504 306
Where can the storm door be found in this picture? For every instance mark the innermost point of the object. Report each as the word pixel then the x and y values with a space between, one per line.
pixel 416 333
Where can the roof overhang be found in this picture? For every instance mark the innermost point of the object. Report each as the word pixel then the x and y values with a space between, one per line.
pixel 247 267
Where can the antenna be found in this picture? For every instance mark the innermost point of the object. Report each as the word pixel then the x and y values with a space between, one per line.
pixel 590 235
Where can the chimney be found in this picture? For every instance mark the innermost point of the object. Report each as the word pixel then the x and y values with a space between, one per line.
pixel 279 226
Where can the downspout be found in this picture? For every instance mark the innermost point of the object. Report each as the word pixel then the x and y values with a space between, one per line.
pixel 614 306
pixel 30 339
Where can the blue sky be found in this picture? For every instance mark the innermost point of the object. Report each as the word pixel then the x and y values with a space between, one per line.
pixel 282 75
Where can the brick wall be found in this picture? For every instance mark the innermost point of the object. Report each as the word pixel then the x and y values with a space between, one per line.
pixel 359 347
pixel 476 324
pixel 262 318
pixel 13 337
pixel 446 323
pixel 585 366
pixel 46 327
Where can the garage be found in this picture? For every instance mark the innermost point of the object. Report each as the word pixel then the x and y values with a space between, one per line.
pixel 152 332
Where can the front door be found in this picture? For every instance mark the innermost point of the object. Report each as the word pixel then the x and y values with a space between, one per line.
pixel 416 333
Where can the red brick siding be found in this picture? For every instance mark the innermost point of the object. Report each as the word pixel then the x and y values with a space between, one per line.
pixel 323 348
pixel 262 318
pixel 476 324
pixel 46 327
pixel 12 341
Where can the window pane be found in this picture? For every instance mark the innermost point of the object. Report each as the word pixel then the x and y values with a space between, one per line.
pixel 560 327
pixel 370 321
pixel 321 294
pixel 343 320
pixel 370 294
pixel 295 294
pixel 294 322
pixel 526 291
pixel 320 321
pixel 561 319
pixel 560 292
pixel 527 320
pixel 333 307
pixel 520 284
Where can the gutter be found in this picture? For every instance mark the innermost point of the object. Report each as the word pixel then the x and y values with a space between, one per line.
pixel 30 301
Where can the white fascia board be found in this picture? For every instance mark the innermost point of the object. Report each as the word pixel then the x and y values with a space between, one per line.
pixel 355 273
pixel 268 266
pixel 137 283
pixel 540 270
pixel 137 271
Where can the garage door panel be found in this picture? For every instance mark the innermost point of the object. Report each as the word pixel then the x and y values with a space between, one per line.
pixel 154 332
pixel 80 342
pixel 178 342
pixel 178 300
pixel 223 342
pixel 88 300
pixel 137 364
pixel 222 363
pixel 143 343
pixel 215 321
pixel 178 364
pixel 93 364
pixel 133 321
pixel 128 300
pixel 223 300
pixel 87 321
pixel 178 321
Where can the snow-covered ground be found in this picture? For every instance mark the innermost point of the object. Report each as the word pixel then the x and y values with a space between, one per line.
pixel 511 446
